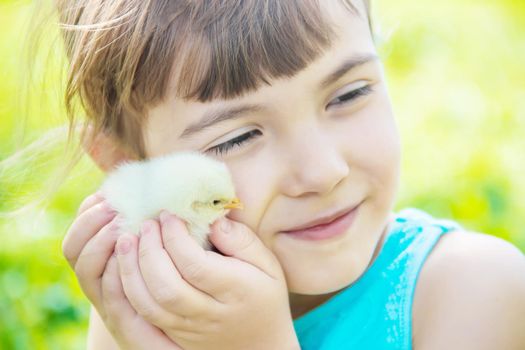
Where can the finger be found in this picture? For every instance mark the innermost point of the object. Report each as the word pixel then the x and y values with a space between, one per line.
pixel 197 266
pixel 135 287
pixel 83 228
pixel 163 280
pixel 114 303
pixel 236 240
pixel 90 201
pixel 90 264
pixel 123 321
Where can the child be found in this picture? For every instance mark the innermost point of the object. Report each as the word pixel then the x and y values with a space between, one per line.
pixel 291 96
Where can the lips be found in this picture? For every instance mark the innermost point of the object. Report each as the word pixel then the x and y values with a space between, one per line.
pixel 317 223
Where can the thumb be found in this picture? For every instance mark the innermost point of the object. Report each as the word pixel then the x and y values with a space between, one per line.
pixel 237 240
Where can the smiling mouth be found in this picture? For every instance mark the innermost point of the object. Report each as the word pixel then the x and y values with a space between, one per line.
pixel 323 221
pixel 326 230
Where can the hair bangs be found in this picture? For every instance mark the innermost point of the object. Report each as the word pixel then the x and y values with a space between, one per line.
pixel 241 47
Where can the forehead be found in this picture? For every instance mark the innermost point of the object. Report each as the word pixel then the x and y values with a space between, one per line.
pixel 168 120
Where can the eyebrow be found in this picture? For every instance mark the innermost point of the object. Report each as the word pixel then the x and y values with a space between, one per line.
pixel 348 65
pixel 216 116
pixel 219 115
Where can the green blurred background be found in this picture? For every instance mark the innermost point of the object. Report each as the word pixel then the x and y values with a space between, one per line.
pixel 456 72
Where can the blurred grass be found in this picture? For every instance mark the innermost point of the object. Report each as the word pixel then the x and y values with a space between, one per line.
pixel 456 76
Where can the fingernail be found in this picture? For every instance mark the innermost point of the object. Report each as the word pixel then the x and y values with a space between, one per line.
pixel 123 246
pixel 115 223
pixel 99 194
pixel 226 225
pixel 107 207
pixel 164 216
pixel 146 227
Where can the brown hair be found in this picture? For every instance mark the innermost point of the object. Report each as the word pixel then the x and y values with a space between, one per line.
pixel 122 53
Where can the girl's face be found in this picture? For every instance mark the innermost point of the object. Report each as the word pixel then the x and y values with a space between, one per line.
pixel 305 147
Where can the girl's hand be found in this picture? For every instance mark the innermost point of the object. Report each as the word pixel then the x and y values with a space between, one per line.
pixel 204 300
pixel 88 247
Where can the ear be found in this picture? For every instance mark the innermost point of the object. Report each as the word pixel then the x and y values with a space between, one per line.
pixel 104 150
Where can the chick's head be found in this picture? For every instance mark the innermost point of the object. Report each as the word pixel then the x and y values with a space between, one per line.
pixel 206 193
pixel 213 199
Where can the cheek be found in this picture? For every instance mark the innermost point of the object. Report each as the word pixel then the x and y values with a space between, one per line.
pixel 254 187
pixel 373 144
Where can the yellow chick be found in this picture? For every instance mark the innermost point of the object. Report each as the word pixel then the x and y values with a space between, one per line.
pixel 194 187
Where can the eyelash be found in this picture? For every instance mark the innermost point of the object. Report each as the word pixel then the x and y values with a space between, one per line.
pixel 225 147
pixel 352 95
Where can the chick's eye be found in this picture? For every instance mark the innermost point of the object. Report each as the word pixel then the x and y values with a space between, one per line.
pixel 350 96
pixel 216 202
pixel 225 147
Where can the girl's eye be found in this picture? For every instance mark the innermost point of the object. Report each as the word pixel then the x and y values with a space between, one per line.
pixel 350 96
pixel 225 147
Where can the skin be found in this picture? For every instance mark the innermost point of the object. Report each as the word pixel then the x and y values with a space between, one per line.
pixel 311 157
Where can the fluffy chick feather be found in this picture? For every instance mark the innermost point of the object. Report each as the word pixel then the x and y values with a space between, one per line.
pixel 196 188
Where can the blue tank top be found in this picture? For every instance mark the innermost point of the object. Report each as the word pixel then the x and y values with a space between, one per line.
pixel 375 312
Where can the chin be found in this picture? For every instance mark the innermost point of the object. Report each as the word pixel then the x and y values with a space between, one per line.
pixel 320 282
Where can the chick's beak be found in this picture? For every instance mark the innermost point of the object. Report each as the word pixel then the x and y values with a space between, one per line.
pixel 234 204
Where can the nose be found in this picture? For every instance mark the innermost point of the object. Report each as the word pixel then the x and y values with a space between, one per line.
pixel 313 164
